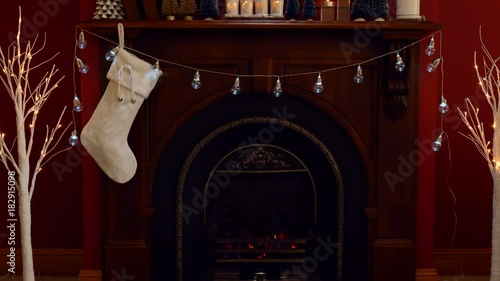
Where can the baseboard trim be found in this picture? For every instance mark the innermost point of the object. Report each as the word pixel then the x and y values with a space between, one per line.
pixel 49 262
pixel 426 274
pixel 90 275
pixel 475 261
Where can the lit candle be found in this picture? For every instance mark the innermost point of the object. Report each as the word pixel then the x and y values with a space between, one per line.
pixel 277 8
pixel 246 7
pixel 232 7
pixel 261 7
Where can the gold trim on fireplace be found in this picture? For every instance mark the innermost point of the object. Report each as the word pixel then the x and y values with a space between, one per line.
pixel 255 120
pixel 260 261
pixel 262 172
pixel 259 157
pixel 260 147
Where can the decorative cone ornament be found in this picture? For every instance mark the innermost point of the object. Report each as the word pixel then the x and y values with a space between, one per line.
pixel 109 9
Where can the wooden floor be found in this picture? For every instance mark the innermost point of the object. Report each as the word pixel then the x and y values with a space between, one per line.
pixel 45 278
pixel 465 278
pixel 442 278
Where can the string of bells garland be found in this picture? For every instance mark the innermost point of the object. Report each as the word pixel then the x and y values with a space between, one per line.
pixel 317 88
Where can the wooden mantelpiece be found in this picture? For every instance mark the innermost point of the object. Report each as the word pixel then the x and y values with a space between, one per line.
pixel 379 115
pixel 424 26
pixel 390 29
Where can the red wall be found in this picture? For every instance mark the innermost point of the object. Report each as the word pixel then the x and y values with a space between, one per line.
pixel 56 203
pixel 428 88
pixel 470 178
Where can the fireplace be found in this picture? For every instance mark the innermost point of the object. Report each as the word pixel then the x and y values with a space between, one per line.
pixel 293 187
pixel 261 186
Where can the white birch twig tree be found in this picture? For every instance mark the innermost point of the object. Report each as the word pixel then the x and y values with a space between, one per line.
pixel 28 99
pixel 489 81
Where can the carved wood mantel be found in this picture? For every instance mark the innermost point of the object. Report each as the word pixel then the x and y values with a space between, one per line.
pixel 379 115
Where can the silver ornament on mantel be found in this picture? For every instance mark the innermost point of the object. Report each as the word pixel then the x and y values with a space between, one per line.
pixel 109 9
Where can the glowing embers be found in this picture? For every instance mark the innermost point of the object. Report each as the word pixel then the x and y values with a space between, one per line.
pixel 279 247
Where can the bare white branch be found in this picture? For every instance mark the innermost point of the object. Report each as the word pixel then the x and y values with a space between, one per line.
pixel 28 97
pixel 6 156
pixel 470 117
pixel 488 79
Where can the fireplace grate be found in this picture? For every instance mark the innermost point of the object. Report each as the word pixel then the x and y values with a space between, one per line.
pixel 260 250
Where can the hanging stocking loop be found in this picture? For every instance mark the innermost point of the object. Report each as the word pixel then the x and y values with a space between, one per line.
pixel 121 36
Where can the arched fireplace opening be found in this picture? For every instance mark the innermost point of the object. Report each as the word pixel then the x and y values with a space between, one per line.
pixel 257 184
pixel 269 194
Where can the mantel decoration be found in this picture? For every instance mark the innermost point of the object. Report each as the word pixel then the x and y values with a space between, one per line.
pixel 309 9
pixel 209 9
pixel 487 77
pixel 246 7
pixel 292 9
pixel 261 7
pixel 277 8
pixel 169 8
pixel 109 9
pixel 344 10
pixel 28 99
pixel 114 165
pixel 327 12
pixel 408 10
pixel 377 10
pixel 187 8
pixel 231 8
pixel 254 9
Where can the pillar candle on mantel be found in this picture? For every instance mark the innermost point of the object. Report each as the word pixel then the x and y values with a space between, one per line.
pixel 277 7
pixel 408 10
pixel 327 11
pixel 232 7
pixel 246 7
pixel 261 7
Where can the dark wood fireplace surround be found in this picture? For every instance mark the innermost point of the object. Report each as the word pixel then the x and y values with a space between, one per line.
pixel 379 115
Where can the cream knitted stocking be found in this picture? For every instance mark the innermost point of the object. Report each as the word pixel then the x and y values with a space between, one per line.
pixel 105 135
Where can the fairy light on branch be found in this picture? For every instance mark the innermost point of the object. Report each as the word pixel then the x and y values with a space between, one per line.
pixel 28 101
pixel 470 117
pixel 488 82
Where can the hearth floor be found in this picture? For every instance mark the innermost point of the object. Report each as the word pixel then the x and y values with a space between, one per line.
pixel 45 278
pixel 75 278
pixel 465 278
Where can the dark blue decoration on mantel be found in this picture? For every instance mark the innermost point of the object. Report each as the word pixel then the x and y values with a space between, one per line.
pixel 309 9
pixel 369 9
pixel 292 9
pixel 209 9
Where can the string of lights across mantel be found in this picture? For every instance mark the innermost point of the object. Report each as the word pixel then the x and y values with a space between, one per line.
pixel 277 90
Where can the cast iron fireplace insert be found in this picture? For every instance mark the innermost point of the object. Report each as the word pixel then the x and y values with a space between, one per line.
pixel 290 204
